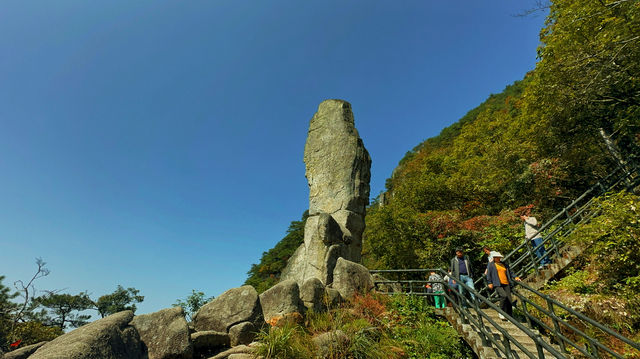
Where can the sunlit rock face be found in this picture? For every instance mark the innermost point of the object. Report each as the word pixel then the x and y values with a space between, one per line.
pixel 338 171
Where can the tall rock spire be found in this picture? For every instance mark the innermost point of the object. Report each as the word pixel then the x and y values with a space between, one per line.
pixel 338 172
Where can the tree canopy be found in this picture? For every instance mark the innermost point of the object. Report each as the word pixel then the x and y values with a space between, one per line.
pixel 265 274
pixel 121 299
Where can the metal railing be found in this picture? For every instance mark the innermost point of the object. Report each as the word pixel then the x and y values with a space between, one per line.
pixel 546 317
pixel 564 331
pixel 470 313
pixel 523 259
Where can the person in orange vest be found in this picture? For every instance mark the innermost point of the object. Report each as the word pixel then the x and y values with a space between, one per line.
pixel 500 279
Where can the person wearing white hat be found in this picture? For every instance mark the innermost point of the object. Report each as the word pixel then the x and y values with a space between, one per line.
pixel 500 279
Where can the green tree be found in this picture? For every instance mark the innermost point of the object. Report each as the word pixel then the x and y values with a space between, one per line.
pixel 587 79
pixel 192 303
pixel 7 309
pixel 65 309
pixel 265 274
pixel 121 299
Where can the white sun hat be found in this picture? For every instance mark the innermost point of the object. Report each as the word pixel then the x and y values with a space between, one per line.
pixel 495 254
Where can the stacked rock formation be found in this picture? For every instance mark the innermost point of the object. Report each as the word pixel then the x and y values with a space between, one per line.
pixel 338 172
pixel 322 273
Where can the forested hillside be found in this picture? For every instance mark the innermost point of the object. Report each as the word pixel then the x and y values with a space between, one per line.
pixel 537 143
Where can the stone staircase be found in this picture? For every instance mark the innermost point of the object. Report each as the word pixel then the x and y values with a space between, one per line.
pixel 567 255
pixel 471 334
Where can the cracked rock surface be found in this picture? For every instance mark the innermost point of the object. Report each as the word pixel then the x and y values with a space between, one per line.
pixel 338 172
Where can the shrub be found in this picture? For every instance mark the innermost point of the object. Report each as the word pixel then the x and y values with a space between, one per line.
pixel 287 342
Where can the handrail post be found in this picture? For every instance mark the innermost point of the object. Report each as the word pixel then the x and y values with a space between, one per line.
pixel 526 313
pixel 594 349
pixel 539 347
pixel 483 334
pixel 556 325
pixel 507 346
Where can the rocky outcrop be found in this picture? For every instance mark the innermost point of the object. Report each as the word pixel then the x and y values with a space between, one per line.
pixel 237 312
pixel 23 352
pixel 106 338
pixel 240 349
pixel 312 294
pixel 351 278
pixel 242 356
pixel 232 307
pixel 281 299
pixel 165 334
pixel 334 299
pixel 243 333
pixel 209 340
pixel 338 173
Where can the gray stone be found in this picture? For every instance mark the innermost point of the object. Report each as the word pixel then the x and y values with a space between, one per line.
pixel 334 299
pixel 385 287
pixel 350 278
pixel 241 356
pixel 242 333
pixel 23 352
pixel 102 339
pixel 337 164
pixel 281 299
pixel 338 173
pixel 240 349
pixel 209 339
pixel 165 334
pixel 312 294
pixel 234 306
pixel 331 344
pixel 132 342
pixel 316 257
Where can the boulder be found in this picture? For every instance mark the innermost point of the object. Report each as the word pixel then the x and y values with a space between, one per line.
pixel 287 319
pixel 385 287
pixel 338 173
pixel 334 299
pixel 206 340
pixel 331 344
pixel 312 294
pixel 281 299
pixel 165 334
pixel 350 278
pixel 106 338
pixel 241 356
pixel 234 306
pixel 242 333
pixel 316 257
pixel 23 352
pixel 240 349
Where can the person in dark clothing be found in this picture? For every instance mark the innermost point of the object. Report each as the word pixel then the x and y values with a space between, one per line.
pixel 461 268
pixel 500 279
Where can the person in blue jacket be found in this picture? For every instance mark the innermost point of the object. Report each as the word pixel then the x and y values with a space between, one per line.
pixel 461 268
pixel 500 279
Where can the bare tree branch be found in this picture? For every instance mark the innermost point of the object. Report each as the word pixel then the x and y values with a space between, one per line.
pixel 28 291
pixel 539 6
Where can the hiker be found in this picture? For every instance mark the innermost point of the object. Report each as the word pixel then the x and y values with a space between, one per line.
pixel 461 268
pixel 436 288
pixel 487 251
pixel 500 279
pixel 532 233
pixel 451 286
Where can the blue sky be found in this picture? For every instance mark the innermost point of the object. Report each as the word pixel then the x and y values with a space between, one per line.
pixel 158 144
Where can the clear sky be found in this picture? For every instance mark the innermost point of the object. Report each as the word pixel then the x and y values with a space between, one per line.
pixel 158 144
